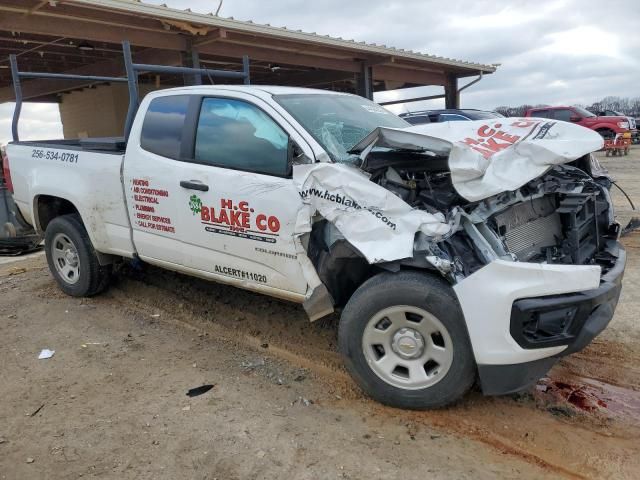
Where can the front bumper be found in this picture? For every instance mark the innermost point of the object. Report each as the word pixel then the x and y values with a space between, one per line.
pixel 570 321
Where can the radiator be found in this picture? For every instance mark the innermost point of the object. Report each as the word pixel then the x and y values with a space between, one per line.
pixel 527 228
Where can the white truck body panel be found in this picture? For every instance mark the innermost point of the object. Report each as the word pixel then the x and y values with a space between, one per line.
pixel 487 295
pixel 266 252
pixel 90 181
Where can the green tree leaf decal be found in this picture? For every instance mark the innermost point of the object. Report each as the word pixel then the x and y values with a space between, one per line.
pixel 195 204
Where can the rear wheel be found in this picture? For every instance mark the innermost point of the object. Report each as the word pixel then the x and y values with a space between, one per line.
pixel 72 259
pixel 405 342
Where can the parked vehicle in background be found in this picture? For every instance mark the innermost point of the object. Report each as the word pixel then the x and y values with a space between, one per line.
pixel 448 115
pixel 609 113
pixel 607 126
pixel 633 122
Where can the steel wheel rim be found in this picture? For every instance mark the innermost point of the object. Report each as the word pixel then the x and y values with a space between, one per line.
pixel 397 356
pixel 65 258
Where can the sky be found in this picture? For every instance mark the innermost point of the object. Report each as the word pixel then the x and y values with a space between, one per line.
pixel 550 51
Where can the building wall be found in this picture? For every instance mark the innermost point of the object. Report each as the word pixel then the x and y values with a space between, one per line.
pixel 97 112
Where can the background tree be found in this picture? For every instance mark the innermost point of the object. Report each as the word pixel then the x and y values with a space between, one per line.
pixel 625 105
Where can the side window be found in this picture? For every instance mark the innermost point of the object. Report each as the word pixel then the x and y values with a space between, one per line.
pixel 235 134
pixel 452 117
pixel 563 114
pixel 417 119
pixel 163 124
pixel 541 114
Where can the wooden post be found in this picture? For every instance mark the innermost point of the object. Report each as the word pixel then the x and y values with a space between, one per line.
pixel 451 94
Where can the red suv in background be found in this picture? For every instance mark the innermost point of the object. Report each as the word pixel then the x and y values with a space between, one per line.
pixel 608 127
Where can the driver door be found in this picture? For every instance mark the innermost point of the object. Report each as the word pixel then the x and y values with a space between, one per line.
pixel 239 205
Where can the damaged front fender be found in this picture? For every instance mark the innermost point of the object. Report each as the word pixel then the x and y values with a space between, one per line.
pixel 381 226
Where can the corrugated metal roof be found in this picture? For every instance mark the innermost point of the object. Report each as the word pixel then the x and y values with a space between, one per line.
pixel 162 11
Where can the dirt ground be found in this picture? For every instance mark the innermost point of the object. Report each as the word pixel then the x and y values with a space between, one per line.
pixel 112 403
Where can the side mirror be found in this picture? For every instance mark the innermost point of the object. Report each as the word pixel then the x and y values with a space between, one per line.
pixel 295 156
pixel 575 118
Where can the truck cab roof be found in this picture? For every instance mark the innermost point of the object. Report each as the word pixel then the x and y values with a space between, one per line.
pixel 263 91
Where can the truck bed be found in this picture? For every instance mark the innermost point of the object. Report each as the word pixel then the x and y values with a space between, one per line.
pixel 115 145
pixel 84 173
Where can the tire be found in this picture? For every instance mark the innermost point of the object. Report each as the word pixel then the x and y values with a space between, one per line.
pixel 387 310
pixel 72 259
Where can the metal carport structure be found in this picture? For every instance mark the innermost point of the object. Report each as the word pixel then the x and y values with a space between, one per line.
pixel 83 37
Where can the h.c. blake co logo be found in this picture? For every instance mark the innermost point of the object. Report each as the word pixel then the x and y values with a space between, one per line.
pixel 237 220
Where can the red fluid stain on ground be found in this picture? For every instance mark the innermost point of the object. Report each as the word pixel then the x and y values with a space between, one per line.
pixel 620 401
pixel 591 396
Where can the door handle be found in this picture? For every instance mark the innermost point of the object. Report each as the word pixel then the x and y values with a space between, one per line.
pixel 194 185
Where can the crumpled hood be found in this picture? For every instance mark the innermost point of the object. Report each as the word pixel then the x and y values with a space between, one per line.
pixel 487 157
pixel 405 139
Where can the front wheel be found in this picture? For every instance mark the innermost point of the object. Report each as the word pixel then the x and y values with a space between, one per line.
pixel 72 259
pixel 405 342
pixel 606 133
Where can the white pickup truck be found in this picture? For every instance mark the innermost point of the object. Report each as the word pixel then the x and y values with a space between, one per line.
pixel 446 267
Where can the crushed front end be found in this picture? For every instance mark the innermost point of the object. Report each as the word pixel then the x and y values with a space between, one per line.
pixel 514 213
pixel 537 270
pixel 547 274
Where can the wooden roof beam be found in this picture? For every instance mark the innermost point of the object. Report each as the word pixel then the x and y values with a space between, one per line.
pixel 215 36
pixel 315 78
pixel 84 29
pixel 38 6
pixel 419 77
pixel 267 54
pixel 240 38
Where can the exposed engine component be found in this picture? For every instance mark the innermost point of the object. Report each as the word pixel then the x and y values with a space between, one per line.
pixel 561 217
pixel 423 181
pixel 528 228
pixel 565 219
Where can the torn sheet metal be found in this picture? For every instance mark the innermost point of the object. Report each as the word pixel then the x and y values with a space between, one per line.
pixel 375 221
pixel 485 158
pixel 488 157
pixel 406 139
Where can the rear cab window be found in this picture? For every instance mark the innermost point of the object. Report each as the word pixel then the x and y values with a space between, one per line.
pixel 417 119
pixel 452 117
pixel 163 124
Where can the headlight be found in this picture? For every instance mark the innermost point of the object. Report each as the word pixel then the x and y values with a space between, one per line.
pixel 623 125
